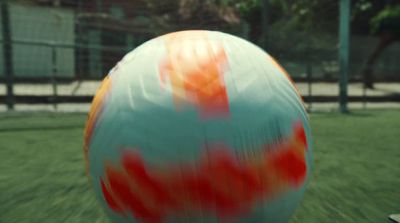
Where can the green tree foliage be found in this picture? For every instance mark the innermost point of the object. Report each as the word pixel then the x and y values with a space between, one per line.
pixel 376 16
pixel 387 19
pixel 293 26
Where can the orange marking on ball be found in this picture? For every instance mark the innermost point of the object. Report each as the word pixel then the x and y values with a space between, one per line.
pixel 195 69
pixel 94 113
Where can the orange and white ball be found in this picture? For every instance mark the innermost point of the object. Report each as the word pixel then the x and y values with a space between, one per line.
pixel 198 126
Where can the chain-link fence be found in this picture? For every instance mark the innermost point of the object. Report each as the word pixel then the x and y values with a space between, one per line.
pixel 55 52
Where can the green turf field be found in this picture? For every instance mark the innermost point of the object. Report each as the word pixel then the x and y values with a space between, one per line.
pixel 356 175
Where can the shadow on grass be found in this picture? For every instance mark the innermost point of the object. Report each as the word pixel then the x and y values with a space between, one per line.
pixel 40 128
pixel 35 114
pixel 337 114
pixel 360 114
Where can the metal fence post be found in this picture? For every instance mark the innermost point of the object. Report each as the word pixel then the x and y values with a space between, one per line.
pixel 7 54
pixel 264 23
pixel 344 39
pixel 309 82
pixel 129 42
pixel 54 74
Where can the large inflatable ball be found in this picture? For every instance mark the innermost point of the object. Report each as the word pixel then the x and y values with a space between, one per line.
pixel 198 126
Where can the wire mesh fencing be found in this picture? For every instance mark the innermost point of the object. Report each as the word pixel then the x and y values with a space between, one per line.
pixel 55 52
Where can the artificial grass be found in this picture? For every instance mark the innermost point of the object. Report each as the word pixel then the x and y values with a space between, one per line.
pixel 356 171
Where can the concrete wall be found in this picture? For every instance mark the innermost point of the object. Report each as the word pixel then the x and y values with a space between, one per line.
pixel 30 23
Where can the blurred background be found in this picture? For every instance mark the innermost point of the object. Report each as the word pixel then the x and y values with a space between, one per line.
pixel 342 54
pixel 55 51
